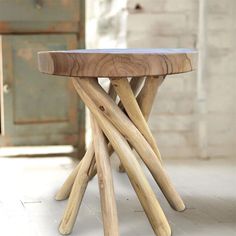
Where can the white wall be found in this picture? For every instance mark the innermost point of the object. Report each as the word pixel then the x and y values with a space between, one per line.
pixel 163 23
pixel 106 23
pixel 171 23
pixel 221 77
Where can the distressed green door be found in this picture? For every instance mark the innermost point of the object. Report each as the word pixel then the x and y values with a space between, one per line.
pixel 37 109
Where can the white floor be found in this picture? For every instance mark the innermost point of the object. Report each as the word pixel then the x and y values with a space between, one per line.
pixel 27 207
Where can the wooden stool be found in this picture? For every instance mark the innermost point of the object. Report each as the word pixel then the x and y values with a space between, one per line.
pixel 120 126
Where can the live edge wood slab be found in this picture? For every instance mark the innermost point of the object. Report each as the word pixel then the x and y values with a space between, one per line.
pixel 135 76
pixel 117 62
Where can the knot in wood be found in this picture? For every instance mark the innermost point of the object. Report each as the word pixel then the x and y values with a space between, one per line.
pixel 102 108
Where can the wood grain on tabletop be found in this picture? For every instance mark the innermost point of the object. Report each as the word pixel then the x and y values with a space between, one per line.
pixel 117 62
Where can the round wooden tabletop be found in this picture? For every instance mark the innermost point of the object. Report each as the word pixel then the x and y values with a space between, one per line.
pixel 117 62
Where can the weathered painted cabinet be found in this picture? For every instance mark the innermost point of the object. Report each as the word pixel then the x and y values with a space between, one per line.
pixel 38 109
pixel 41 16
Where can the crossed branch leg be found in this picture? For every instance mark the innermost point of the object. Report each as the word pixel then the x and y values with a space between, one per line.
pixel 64 192
pixel 133 135
pixel 77 193
pixel 107 195
pixel 138 180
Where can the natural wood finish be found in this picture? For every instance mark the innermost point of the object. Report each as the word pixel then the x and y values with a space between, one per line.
pixel 145 100
pixel 65 190
pixel 121 115
pixel 136 84
pixel 124 91
pixel 147 95
pixel 132 167
pixel 77 193
pixel 112 92
pixel 128 129
pixel 107 195
pixel 117 62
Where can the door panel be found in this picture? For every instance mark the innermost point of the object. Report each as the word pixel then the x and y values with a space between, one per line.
pixel 38 109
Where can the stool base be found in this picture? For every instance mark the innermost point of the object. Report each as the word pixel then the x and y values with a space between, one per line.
pixel 119 127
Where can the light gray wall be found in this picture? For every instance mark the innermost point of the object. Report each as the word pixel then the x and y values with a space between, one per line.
pixel 164 23
pixel 221 77
pixel 171 23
